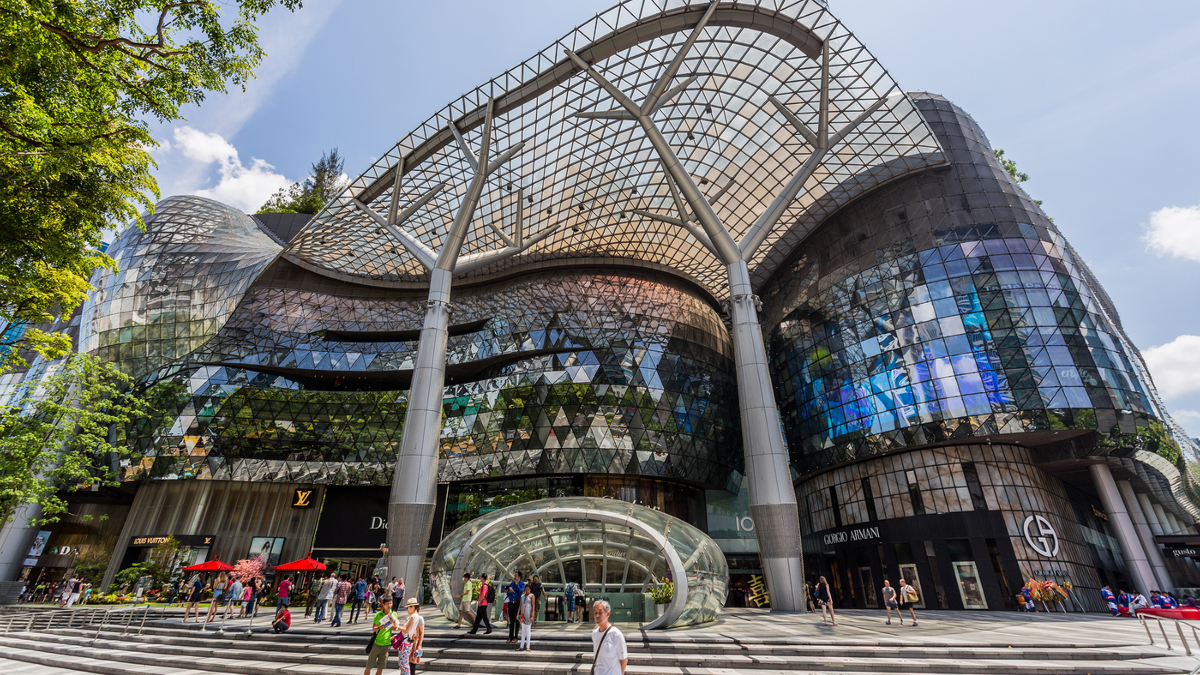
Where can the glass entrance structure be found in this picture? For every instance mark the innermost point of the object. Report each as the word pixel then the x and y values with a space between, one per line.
pixel 609 546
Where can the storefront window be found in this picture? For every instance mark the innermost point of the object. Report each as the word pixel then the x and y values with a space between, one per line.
pixel 966 573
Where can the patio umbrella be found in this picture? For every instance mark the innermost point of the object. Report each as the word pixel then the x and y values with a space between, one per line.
pixel 302 565
pixel 209 566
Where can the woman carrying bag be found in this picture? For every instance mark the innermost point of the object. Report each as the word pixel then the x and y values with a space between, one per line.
pixel 410 638
pixel 825 600
pixel 525 614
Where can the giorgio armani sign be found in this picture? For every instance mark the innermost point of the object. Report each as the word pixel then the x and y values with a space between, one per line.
pixel 856 534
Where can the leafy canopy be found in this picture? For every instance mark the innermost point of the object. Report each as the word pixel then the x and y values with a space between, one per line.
pixel 310 195
pixel 79 82
pixel 70 433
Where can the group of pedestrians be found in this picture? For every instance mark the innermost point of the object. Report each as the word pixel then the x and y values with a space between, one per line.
pixel 1131 602
pixel 894 599
pixel 388 633
pixel 63 593
pixel 339 591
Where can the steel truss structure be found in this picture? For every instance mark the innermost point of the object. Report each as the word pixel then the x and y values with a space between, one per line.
pixel 739 127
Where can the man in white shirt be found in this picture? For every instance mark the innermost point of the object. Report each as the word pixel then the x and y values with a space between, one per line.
pixel 608 643
pixel 323 596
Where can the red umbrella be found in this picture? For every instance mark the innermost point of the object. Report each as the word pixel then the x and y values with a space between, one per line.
pixel 302 565
pixel 209 566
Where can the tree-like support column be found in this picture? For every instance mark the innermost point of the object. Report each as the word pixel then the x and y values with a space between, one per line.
pixel 414 483
pixel 772 496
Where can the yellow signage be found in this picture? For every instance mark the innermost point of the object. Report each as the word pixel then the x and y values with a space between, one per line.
pixel 302 499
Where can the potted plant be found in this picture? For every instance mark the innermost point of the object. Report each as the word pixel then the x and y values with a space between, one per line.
pixel 662 594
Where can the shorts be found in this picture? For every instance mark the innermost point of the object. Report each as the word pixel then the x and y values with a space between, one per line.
pixel 906 605
pixel 466 607
pixel 571 604
pixel 890 604
pixel 378 656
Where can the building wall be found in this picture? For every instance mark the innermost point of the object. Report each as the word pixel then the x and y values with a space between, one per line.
pixel 233 512
pixel 945 306
pixel 932 485
pixel 569 371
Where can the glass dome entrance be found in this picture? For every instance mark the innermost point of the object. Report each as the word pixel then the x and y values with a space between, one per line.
pixel 608 545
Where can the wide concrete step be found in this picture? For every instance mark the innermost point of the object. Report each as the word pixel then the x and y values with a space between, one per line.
pixel 265 661
pixel 746 655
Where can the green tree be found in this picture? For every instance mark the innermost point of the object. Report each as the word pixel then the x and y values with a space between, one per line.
pixel 70 432
pixel 161 566
pixel 92 565
pixel 309 195
pixel 1011 167
pixel 80 81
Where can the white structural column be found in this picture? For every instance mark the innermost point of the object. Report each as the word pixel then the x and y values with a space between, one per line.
pixel 1146 536
pixel 1151 517
pixel 414 484
pixel 772 496
pixel 15 539
pixel 1167 526
pixel 1127 538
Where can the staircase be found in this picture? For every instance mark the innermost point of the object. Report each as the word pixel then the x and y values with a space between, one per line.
pixel 120 646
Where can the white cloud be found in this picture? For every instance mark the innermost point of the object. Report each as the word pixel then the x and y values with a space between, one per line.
pixel 1174 231
pixel 244 187
pixel 1186 416
pixel 1175 366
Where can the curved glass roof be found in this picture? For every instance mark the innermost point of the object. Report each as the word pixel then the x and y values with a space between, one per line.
pixel 582 178
pixel 610 546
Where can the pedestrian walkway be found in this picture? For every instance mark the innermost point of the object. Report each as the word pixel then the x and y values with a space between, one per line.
pixel 743 641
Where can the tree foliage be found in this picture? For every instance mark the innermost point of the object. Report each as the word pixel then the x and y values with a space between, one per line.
pixel 92 564
pixel 69 433
pixel 309 195
pixel 1011 167
pixel 80 81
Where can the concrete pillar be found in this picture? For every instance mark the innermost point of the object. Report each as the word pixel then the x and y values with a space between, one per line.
pixel 1168 527
pixel 1145 535
pixel 1151 517
pixel 15 539
pixel 1127 537
pixel 772 497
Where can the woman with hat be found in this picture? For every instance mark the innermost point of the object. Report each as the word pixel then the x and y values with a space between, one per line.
pixel 414 636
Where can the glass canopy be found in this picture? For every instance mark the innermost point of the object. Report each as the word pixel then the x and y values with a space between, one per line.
pixel 609 546
pixel 581 181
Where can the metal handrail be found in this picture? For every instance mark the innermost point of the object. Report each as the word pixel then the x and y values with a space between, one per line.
pixel 1179 623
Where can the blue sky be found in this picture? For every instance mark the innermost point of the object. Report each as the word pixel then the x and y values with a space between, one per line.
pixel 1095 100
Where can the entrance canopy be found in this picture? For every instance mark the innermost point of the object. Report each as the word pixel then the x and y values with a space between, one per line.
pixel 609 546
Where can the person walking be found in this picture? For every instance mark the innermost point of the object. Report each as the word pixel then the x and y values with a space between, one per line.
pixel 384 623
pixel 908 598
pixel 889 601
pixel 537 590
pixel 373 591
pixel 825 600
pixel 481 616
pixel 580 602
pixel 397 592
pixel 512 596
pixel 341 594
pixel 260 589
pixel 357 596
pixel 610 654
pixel 569 600
pixel 233 597
pixel 464 601
pixel 283 619
pixel 195 592
pixel 72 593
pixel 323 594
pixel 414 638
pixel 284 596
pixel 525 614
pixel 174 593
pixel 214 605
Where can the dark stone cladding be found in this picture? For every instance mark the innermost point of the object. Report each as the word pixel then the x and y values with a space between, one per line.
pixel 940 307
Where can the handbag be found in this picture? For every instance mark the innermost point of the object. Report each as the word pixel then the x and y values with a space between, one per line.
pixel 910 596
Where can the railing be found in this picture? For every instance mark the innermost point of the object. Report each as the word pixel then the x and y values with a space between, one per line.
pixel 77 618
pixel 1180 624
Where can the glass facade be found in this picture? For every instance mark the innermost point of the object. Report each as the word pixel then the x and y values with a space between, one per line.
pixel 945 307
pixel 559 372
